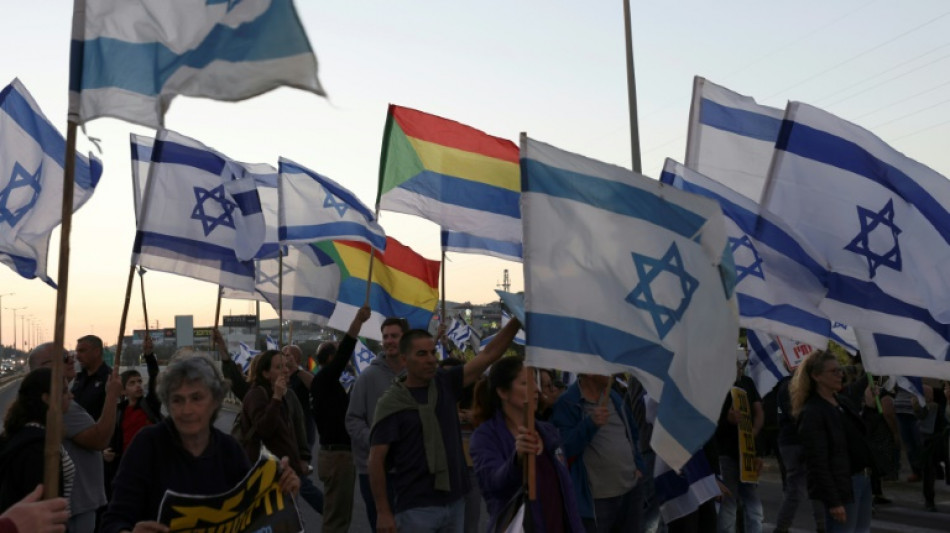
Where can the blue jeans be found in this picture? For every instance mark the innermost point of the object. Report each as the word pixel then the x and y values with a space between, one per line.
pixel 795 489
pixel 857 513
pixel 729 469
pixel 620 513
pixel 436 519
pixel 311 494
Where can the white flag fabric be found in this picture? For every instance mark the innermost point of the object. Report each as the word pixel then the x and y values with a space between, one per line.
pixel 457 241
pixel 271 343
pixel 779 280
pixel 680 492
pixel 310 285
pixel 519 337
pixel 130 59
pixel 731 138
pixel 244 356
pixel 459 332
pixel 201 214
pixel 315 208
pixel 623 273
pixel 32 158
pixel 362 357
pixel 766 362
pixel 880 221
pixel 141 146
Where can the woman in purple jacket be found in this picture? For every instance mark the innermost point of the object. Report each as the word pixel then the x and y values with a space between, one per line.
pixel 501 440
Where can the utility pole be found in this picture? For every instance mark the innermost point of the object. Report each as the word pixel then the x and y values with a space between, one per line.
pixel 15 309
pixel 506 282
pixel 1 321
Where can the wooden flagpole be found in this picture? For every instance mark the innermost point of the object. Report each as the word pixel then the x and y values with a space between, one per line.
pixel 529 463
pixel 144 307
pixel 54 415
pixel 372 259
pixel 280 298
pixel 217 315
pixel 631 90
pixel 125 314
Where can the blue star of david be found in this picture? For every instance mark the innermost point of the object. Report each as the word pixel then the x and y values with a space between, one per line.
pixel 641 297
pixel 753 269
pixel 264 278
pixel 334 202
pixel 365 356
pixel 870 220
pixel 208 222
pixel 19 179
pixel 838 325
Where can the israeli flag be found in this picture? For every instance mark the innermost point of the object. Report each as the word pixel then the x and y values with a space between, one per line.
pixel 141 146
pixel 244 356
pixel 459 332
pixel 779 280
pixel 316 208
pixel 519 337
pixel 680 492
pixel 845 336
pixel 32 158
pixel 271 343
pixel 457 241
pixel 362 357
pixel 766 362
pixel 623 273
pixel 311 283
pixel 880 221
pixel 130 59
pixel 731 138
pixel 201 214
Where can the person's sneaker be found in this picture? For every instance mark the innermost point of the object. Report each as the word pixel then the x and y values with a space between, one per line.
pixel 881 500
pixel 913 478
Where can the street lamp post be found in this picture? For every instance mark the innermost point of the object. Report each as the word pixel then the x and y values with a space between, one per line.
pixel 15 309
pixel 1 321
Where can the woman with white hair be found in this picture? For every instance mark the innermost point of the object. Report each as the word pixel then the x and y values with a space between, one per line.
pixel 183 453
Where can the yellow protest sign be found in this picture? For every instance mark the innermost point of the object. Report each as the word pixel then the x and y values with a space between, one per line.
pixel 748 473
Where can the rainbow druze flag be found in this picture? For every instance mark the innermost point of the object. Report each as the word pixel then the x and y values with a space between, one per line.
pixel 454 175
pixel 404 284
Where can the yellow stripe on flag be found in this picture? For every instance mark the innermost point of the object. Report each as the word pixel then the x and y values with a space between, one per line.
pixel 468 165
pixel 401 286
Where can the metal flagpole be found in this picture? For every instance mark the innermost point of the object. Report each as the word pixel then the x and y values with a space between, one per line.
pixel 632 91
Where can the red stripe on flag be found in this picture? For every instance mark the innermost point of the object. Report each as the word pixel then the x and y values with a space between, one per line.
pixel 438 130
pixel 401 257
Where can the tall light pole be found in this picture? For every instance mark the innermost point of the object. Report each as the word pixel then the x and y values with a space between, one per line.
pixel 1 321
pixel 22 332
pixel 15 309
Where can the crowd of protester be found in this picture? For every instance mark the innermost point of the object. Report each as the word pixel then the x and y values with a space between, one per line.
pixel 428 441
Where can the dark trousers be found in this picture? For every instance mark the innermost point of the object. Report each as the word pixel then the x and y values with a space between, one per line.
pixel 620 514
pixel 934 451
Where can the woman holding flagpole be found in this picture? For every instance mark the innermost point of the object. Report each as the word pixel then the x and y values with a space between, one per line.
pixel 501 440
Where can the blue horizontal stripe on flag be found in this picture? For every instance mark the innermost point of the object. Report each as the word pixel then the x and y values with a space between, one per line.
pixel 680 418
pixel 763 356
pixel 758 227
pixel 249 202
pixel 314 306
pixel 867 295
pixel 890 345
pixel 784 313
pixel 465 193
pixel 613 196
pixel 268 250
pixel 141 152
pixel 671 484
pixel 832 150
pixel 179 154
pixel 739 121
pixel 341 193
pixel 455 239
pixel 45 135
pixel 353 292
pixel 144 68
pixel 590 338
pixel 200 250
pixel 331 231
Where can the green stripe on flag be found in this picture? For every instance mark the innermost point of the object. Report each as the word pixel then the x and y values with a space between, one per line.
pixel 399 162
